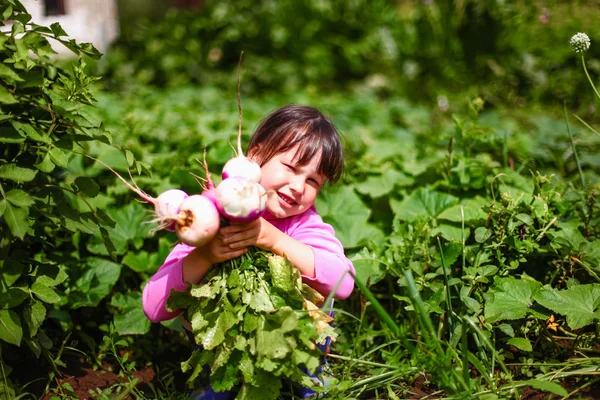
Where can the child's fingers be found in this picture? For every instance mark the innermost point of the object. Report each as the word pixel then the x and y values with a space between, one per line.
pixel 233 228
pixel 239 236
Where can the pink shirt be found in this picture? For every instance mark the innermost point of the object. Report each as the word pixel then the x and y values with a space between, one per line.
pixel 308 228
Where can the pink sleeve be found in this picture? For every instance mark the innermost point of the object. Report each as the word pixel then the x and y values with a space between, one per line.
pixel 158 288
pixel 331 264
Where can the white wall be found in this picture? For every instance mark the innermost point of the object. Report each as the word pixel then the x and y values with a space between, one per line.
pixel 94 21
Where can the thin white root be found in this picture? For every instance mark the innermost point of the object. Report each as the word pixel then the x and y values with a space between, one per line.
pixel 134 189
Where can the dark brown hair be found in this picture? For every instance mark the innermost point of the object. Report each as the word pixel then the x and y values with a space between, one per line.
pixel 302 126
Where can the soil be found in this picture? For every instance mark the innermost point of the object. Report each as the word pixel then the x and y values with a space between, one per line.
pixel 82 377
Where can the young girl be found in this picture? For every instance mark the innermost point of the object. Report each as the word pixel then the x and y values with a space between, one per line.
pixel 299 150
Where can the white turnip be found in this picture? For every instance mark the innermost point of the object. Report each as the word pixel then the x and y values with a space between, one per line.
pixel 240 199
pixel 198 220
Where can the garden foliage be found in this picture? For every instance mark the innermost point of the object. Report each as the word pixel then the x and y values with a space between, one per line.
pixel 474 237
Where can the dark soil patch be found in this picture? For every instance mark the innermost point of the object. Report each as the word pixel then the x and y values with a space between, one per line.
pixel 82 377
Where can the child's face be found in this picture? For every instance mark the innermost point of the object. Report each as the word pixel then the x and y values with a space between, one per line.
pixel 296 186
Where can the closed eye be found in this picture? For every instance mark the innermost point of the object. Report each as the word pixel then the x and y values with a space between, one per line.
pixel 290 167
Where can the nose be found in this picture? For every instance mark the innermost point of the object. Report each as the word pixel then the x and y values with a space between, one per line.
pixel 297 185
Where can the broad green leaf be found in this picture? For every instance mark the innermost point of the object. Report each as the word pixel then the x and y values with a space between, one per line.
pixel 422 203
pixel 35 313
pixel 130 320
pixel 59 157
pixel 7 73
pixel 520 343
pixel 510 298
pixel 524 218
pixel 95 283
pixel 568 240
pixel 380 185
pixel 482 234
pixel 17 221
pixel 6 97
pixel 451 233
pixel 10 135
pixel 44 293
pixel 17 174
pixel 132 223
pixel 473 209
pixel 45 165
pixel 11 330
pixel 341 207
pixel 87 186
pixel 578 303
pixel 216 333
pixel 10 272
pixel 13 297
pixel 19 198
pixel 142 261
pixel 369 268
pixel 29 131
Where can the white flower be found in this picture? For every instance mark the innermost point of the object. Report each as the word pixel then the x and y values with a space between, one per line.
pixel 580 43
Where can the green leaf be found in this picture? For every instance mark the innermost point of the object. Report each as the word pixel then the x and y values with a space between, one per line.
pixel 450 232
pixel 473 210
pixel 510 298
pixel 341 207
pixel 17 221
pixel 11 330
pixel 6 97
pixel 35 313
pixel 142 261
pixel 13 297
pixel 11 272
pixel 130 320
pixel 216 332
pixel 482 234
pixel 7 73
pixel 131 223
pixel 524 218
pixel 59 157
pixel 17 174
pixel 88 186
pixel 520 343
pixel 551 387
pixel 95 283
pixel 380 185
pixel 422 203
pixel 369 268
pixel 44 293
pixel 46 165
pixel 29 131
pixel 578 303
pixel 19 198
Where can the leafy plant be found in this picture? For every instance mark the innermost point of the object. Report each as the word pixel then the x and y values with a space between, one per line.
pixel 255 324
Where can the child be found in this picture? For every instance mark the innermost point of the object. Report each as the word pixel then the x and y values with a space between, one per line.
pixel 299 150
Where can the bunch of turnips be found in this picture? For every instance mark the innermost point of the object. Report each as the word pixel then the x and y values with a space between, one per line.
pixel 239 198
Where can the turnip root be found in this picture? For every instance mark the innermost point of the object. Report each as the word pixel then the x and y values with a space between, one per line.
pixel 198 220
pixel 240 199
pixel 166 205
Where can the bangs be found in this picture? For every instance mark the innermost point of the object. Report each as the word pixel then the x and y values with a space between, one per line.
pixel 304 127
pixel 310 144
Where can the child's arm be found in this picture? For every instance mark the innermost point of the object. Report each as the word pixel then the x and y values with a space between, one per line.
pixel 185 264
pixel 157 290
pixel 308 242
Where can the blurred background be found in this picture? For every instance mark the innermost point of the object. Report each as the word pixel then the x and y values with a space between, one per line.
pixel 509 52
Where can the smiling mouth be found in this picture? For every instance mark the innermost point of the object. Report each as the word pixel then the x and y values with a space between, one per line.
pixel 286 199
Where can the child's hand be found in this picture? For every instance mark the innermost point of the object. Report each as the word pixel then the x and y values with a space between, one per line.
pixel 259 233
pixel 217 251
